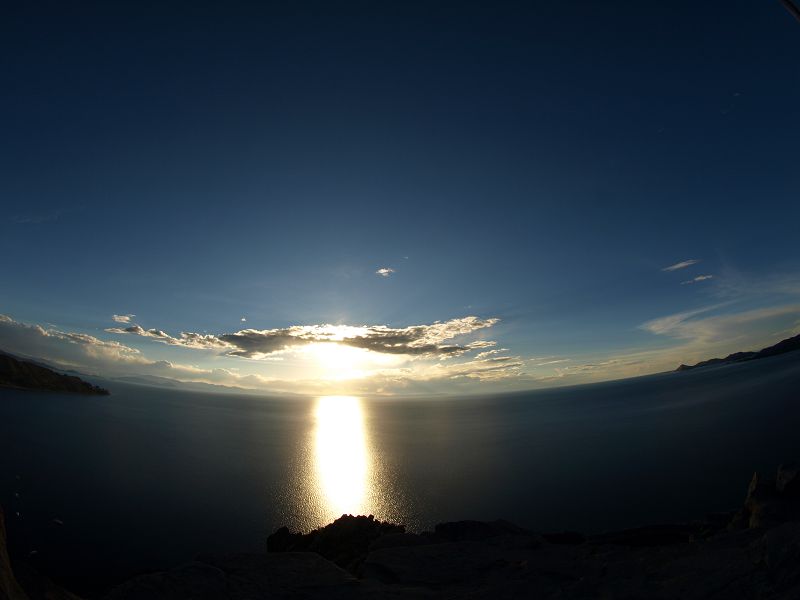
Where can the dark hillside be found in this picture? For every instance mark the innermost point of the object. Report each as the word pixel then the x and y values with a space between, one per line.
pixel 22 374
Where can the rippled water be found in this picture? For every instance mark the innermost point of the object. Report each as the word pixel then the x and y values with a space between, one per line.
pixel 150 477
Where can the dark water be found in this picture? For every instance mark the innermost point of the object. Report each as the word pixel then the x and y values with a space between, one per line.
pixel 146 478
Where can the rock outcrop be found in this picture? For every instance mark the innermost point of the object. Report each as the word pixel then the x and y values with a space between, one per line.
pixel 345 542
pixel 771 502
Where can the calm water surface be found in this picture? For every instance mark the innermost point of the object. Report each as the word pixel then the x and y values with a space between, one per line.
pixel 148 477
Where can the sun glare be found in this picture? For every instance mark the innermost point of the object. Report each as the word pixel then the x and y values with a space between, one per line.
pixel 335 358
pixel 341 455
pixel 338 361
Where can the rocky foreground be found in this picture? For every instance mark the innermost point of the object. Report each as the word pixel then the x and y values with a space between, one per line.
pixel 750 553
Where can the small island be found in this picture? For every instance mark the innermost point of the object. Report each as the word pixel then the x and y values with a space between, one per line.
pixel 791 344
pixel 26 375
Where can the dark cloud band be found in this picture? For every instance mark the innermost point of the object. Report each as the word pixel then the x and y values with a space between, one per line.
pixel 432 340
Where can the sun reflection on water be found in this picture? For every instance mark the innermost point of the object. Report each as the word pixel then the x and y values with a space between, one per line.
pixel 341 453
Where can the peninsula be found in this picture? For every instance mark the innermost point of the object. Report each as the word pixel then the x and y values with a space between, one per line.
pixel 26 375
pixel 791 344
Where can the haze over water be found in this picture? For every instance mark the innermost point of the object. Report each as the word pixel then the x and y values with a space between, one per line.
pixel 149 477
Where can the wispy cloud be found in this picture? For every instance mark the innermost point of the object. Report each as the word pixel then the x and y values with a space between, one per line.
pixel 431 340
pixel 488 353
pixel 384 271
pixel 122 318
pixel 754 324
pixel 550 361
pixel 671 323
pixel 681 265
pixel 483 367
pixel 696 279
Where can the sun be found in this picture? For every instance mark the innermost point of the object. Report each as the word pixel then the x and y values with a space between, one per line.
pixel 337 361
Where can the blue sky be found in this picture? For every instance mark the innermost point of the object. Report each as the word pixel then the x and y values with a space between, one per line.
pixel 534 165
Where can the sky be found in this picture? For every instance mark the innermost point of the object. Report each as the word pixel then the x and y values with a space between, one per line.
pixel 390 198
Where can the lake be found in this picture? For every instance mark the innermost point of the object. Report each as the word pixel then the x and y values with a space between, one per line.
pixel 148 477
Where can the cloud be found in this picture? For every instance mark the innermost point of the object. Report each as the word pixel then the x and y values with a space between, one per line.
pixel 696 279
pixel 541 362
pixel 488 353
pixel 483 368
pixel 417 340
pixel 431 340
pixel 748 286
pixel 747 327
pixel 243 320
pixel 686 337
pixel 72 349
pixel 671 323
pixel 91 355
pixel 384 271
pixel 188 340
pixel 122 318
pixel 110 358
pixel 681 265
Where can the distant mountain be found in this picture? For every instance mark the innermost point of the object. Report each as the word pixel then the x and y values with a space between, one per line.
pixel 28 375
pixel 194 386
pixel 791 344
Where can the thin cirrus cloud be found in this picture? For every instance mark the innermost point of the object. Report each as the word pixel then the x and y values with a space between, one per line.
pixel 697 279
pixel 122 318
pixel 482 368
pixel 429 340
pixel 674 322
pixel 681 265
pixel 706 328
pixel 384 271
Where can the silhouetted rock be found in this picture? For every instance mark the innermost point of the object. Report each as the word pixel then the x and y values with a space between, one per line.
pixel 24 582
pixel 653 535
pixel 788 479
pixel 395 540
pixel 788 345
pixel 241 577
pixel 753 553
pixel 771 501
pixel 38 586
pixel 346 541
pixel 460 531
pixel 27 375
pixel 564 537
pixel 284 540
pixel 10 589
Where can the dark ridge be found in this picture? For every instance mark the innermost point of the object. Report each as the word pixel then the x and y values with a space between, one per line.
pixel 27 375
pixel 345 542
pixel 788 345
